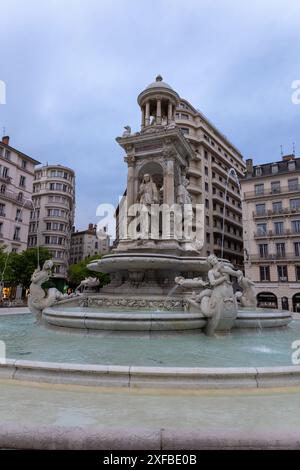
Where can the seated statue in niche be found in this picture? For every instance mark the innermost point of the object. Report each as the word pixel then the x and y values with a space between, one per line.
pixel 148 192
pixel 216 299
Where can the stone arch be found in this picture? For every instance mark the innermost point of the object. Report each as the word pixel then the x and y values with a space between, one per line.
pixel 267 300
pixel 296 302
pixel 154 169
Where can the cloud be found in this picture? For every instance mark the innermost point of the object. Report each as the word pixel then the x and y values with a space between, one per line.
pixel 73 70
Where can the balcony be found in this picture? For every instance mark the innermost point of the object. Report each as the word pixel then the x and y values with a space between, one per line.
pixel 229 205
pixel 271 192
pixel 10 196
pixel 228 218
pixel 276 213
pixel 5 179
pixel 274 257
pixel 271 234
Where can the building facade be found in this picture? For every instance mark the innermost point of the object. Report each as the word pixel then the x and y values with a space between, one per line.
pixel 86 243
pixel 271 215
pixel 213 171
pixel 16 184
pixel 52 219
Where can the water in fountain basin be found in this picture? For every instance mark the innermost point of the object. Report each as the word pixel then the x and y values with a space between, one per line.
pixel 169 296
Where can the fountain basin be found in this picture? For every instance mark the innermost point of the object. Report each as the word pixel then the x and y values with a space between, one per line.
pixel 91 319
pixel 121 319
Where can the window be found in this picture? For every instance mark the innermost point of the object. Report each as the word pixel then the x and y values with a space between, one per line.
pixel 261 229
pixel 280 250
pixel 264 273
pixel 17 233
pixel 206 170
pixel 263 250
pixel 24 164
pixel 292 165
pixel 275 187
pixel 259 189
pixel 277 207
pixel 5 172
pixel 258 171
pixel 20 197
pixel 18 215
pixel 260 209
pixel 206 186
pixel 297 272
pixel 185 130
pixel 207 203
pixel 274 168
pixel 293 184
pixel 282 273
pixel 297 248
pixel 294 205
pixel 296 226
pixel 2 210
pixel 279 228
pixel 3 189
pixel 1 228
pixel 22 181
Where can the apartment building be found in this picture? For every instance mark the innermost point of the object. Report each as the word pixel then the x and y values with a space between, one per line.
pixel 271 214
pixel 16 183
pixel 86 243
pixel 52 219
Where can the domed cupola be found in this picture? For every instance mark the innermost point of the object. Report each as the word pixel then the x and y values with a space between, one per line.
pixel 158 103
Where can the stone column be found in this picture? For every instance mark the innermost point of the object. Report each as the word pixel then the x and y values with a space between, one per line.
pixel 169 112
pixel 169 189
pixel 169 194
pixel 130 160
pixel 147 119
pixel 143 116
pixel 158 111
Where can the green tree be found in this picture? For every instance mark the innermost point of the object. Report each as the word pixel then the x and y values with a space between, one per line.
pixel 78 272
pixel 17 268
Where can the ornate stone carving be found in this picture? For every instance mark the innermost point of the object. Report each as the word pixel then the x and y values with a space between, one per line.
pixel 107 301
pixel 127 131
pixel 38 299
pixel 130 159
pixel 88 283
pixel 148 192
pixel 216 299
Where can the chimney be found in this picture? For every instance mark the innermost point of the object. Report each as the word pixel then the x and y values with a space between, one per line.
pixel 249 166
pixel 287 158
pixel 91 227
pixel 5 140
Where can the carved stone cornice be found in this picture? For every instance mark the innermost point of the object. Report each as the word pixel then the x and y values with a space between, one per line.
pixel 130 160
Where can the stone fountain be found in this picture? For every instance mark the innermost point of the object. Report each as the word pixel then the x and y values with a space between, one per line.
pixel 159 280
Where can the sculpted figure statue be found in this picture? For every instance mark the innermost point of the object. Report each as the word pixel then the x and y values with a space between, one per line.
pixel 217 301
pixel 247 297
pixel 127 131
pixel 38 299
pixel 183 196
pixel 148 192
pixel 88 283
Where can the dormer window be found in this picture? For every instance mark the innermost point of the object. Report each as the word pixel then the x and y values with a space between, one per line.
pixel 258 171
pixel 274 168
pixel 292 165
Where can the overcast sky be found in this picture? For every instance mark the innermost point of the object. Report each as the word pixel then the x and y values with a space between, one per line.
pixel 73 70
